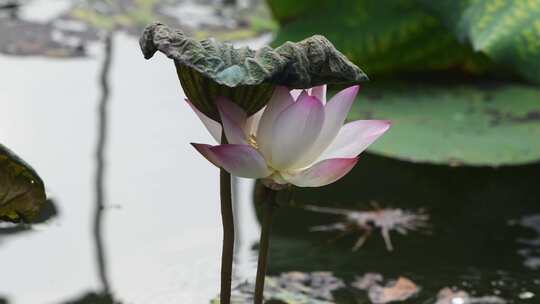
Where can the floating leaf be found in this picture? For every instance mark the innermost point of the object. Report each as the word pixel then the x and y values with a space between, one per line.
pixel 480 124
pixel 209 68
pixel 508 31
pixel 22 192
pixel 383 37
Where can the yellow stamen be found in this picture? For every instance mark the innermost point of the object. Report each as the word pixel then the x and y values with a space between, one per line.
pixel 252 141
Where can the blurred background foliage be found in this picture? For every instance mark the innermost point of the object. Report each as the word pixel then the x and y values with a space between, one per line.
pixel 457 78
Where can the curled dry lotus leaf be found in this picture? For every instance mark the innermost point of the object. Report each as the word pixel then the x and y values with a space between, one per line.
pixel 209 68
pixel 22 192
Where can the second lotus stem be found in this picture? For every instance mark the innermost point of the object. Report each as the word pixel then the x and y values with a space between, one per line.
pixel 268 214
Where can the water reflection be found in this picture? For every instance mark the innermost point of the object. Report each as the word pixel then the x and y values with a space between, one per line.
pixel 47 213
pixel 100 165
pixel 163 225
pixel 94 298
pixel 104 294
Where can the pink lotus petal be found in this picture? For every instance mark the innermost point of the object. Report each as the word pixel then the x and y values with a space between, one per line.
pixel 319 92
pixel 206 151
pixel 234 111
pixel 323 173
pixel 213 127
pixel 355 137
pixel 233 119
pixel 239 160
pixel 295 131
pixel 281 99
pixel 335 112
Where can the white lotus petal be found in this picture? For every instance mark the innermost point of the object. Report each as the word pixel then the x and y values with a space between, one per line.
pixel 213 127
pixel 295 131
pixel 233 119
pixel 335 112
pixel 252 123
pixel 355 137
pixel 322 173
pixel 319 92
pixel 281 99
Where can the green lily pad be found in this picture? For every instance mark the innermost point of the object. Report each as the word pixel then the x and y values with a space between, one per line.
pixel 383 37
pixel 22 192
pixel 507 31
pixel 479 124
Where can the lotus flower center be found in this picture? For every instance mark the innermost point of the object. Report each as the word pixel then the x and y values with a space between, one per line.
pixel 252 141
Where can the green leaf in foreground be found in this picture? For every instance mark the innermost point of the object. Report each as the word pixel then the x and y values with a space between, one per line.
pixel 508 31
pixel 22 192
pixel 486 123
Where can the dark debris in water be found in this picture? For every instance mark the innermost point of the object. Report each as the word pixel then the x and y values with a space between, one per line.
pixel 366 222
pixel 397 290
pixel 450 296
pixel 292 288
pixel 530 245
pixel 316 284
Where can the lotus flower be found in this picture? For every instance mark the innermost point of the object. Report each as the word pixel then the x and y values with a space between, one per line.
pixel 298 138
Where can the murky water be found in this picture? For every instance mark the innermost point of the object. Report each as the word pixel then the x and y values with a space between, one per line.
pixel 161 228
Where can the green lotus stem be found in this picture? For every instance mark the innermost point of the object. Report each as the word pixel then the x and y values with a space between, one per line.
pixel 227 219
pixel 268 212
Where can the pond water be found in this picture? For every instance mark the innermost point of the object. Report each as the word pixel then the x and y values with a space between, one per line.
pixel 161 222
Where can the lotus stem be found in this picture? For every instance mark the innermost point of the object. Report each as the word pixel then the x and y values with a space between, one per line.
pixel 227 218
pixel 268 213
